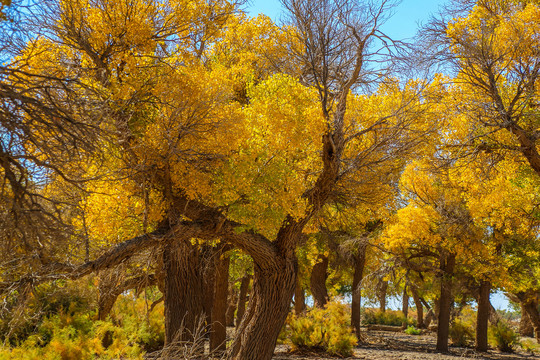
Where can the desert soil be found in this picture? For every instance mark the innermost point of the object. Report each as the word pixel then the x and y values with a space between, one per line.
pixel 393 346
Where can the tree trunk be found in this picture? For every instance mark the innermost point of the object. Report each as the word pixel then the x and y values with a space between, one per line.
pixel 526 327
pixel 405 304
pixel 381 295
pixel 359 264
pixel 209 261
pixel 183 296
pixel 482 317
pixel 231 308
pixel 419 309
pixel 242 298
pixel 531 307
pixel 318 281
pixel 218 335
pixel 448 262
pixel 272 293
pixel 299 299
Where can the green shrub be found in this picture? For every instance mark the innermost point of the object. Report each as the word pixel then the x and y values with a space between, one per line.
pixel 411 330
pixel 324 329
pixel 503 336
pixel 461 334
pixel 389 317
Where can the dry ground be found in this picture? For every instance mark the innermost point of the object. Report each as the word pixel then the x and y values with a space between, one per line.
pixel 394 346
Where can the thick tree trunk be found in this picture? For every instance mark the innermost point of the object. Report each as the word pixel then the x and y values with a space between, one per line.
pixel 183 294
pixel 482 317
pixel 231 307
pixel 242 299
pixel 359 265
pixel 318 281
pixel 448 262
pixel 419 309
pixel 526 327
pixel 405 303
pixel 299 299
pixel 209 263
pixel 218 335
pixel 531 308
pixel 272 293
pixel 381 295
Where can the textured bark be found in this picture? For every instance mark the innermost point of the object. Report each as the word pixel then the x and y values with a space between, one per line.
pixel 112 284
pixel 381 295
pixel 209 281
pixel 231 307
pixel 183 295
pixel 448 262
pixel 319 274
pixel 299 299
pixel 419 309
pixel 268 308
pixel 531 308
pixel 482 317
pixel 242 299
pixel 359 265
pixel 526 327
pixel 219 310
pixel 405 303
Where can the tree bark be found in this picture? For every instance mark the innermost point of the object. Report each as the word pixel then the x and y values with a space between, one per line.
pixel 381 295
pixel 233 301
pixel 272 293
pixel 242 299
pixel 419 309
pixel 448 262
pixel 183 295
pixel 218 335
pixel 299 299
pixel 526 327
pixel 318 281
pixel 405 304
pixel 482 317
pixel 531 308
pixel 359 265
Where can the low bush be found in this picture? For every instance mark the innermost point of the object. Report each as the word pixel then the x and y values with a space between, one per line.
pixel 389 317
pixel 411 330
pixel 324 329
pixel 461 334
pixel 503 337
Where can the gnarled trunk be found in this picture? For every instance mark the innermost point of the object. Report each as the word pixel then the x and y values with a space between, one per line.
pixel 359 264
pixel 448 262
pixel 419 309
pixel 405 303
pixel 272 293
pixel 526 327
pixel 231 307
pixel 482 317
pixel 318 281
pixel 299 298
pixel 531 308
pixel 381 295
pixel 219 309
pixel 183 287
pixel 242 299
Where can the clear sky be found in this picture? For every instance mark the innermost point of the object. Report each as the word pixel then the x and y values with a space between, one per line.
pixel 402 25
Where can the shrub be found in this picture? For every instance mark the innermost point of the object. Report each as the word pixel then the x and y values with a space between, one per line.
pixel 389 317
pixel 461 334
pixel 324 329
pixel 411 330
pixel 503 336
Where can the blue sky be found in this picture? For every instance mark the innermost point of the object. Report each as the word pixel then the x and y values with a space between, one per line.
pixel 402 25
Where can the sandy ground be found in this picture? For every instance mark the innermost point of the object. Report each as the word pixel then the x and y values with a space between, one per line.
pixel 394 346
